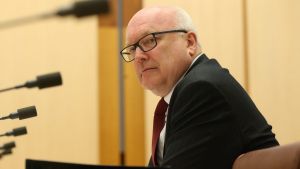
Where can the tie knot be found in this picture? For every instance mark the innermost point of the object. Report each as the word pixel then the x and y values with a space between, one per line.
pixel 161 107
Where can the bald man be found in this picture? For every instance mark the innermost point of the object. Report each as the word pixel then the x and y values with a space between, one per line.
pixel 210 119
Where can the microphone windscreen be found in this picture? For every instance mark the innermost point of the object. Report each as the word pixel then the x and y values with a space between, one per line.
pixel 27 112
pixel 6 152
pixel 91 7
pixel 19 131
pixel 9 145
pixel 49 80
pixel 85 8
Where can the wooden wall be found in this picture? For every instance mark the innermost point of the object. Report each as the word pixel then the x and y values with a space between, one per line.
pixel 109 79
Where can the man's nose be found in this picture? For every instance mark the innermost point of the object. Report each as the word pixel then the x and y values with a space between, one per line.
pixel 140 55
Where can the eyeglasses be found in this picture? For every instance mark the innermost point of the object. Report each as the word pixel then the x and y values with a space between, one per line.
pixel 145 43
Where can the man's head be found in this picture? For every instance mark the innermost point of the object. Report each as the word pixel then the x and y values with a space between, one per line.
pixel 164 44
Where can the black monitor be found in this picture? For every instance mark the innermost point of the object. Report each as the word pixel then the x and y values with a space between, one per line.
pixel 40 164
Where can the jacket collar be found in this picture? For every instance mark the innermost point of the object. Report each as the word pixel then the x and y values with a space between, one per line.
pixel 199 60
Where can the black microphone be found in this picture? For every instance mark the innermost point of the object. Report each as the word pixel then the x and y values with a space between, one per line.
pixel 16 132
pixel 42 81
pixel 9 145
pixel 5 152
pixel 79 9
pixel 23 113
pixel 7 149
pixel 85 8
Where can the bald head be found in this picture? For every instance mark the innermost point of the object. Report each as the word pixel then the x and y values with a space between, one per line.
pixel 159 18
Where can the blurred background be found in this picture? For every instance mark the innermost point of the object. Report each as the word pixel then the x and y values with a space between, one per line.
pixel 79 122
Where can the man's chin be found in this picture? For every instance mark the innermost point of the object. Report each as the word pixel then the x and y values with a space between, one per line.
pixel 148 85
pixel 151 88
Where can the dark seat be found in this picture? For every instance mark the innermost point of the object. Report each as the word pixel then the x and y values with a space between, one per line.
pixel 279 157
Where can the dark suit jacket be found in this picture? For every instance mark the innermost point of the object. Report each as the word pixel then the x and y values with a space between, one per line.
pixel 212 120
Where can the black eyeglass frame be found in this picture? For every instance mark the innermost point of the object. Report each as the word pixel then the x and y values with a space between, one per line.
pixel 135 45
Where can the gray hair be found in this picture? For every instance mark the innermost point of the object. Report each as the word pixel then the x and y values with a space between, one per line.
pixel 184 21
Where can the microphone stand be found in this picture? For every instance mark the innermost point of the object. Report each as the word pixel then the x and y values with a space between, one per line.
pixel 25 20
pixel 11 88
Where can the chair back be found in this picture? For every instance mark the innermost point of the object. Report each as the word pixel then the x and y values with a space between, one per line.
pixel 278 157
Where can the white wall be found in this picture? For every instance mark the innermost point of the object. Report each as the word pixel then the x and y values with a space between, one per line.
pixel 66 128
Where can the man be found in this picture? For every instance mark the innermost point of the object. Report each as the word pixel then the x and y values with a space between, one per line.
pixel 210 119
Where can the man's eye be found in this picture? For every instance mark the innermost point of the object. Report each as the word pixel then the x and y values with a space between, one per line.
pixel 151 40
pixel 148 41
pixel 131 49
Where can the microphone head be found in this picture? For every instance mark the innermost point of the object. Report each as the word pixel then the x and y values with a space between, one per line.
pixel 85 8
pixel 19 131
pixel 27 112
pixel 9 145
pixel 49 80
pixel 5 152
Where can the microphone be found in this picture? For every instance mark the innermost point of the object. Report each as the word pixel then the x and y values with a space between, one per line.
pixel 42 81
pixel 16 132
pixel 9 145
pixel 79 9
pixel 5 152
pixel 23 113
pixel 7 149
pixel 84 8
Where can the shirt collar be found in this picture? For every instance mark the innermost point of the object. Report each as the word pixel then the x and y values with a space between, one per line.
pixel 194 61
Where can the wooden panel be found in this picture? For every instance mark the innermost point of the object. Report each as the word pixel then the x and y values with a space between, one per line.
pixel 135 125
pixel 130 7
pixel 109 94
pixel 109 106
pixel 274 63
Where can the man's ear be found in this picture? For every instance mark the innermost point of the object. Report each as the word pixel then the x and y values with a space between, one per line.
pixel 192 43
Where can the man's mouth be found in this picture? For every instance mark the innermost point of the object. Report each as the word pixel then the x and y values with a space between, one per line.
pixel 147 69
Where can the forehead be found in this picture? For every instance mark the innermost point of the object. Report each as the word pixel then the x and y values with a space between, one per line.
pixel 147 21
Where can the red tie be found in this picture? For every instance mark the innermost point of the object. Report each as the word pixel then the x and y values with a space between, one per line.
pixel 158 125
